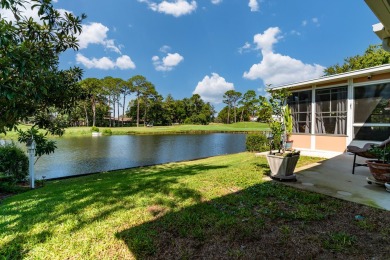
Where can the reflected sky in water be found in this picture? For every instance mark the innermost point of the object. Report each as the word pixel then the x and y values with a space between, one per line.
pixel 80 155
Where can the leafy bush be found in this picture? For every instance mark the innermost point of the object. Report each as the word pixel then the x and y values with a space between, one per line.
pixel 94 129
pixel 107 132
pixel 13 162
pixel 257 142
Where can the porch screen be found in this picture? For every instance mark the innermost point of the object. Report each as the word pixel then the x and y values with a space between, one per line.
pixel 331 111
pixel 300 104
pixel 372 112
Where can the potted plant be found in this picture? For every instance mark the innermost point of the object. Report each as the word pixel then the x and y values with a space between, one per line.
pixel 289 127
pixel 282 162
pixel 380 168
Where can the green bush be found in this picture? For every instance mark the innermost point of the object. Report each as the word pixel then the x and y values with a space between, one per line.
pixel 257 142
pixel 13 162
pixel 107 132
pixel 94 129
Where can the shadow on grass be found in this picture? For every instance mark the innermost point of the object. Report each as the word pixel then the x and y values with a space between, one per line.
pixel 104 194
pixel 267 220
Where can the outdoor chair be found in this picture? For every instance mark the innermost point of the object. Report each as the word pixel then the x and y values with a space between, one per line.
pixel 364 152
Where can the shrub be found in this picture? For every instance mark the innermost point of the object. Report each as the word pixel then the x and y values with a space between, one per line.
pixel 107 132
pixel 94 129
pixel 13 162
pixel 257 142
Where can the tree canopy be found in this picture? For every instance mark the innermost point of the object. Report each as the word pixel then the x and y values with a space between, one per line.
pixel 30 80
pixel 373 56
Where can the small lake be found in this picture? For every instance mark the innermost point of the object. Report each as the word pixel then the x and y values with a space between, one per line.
pixel 81 155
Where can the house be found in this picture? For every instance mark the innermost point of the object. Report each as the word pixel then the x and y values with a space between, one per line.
pixel 381 9
pixel 332 112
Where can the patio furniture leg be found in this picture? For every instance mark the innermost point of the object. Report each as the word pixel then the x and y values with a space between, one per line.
pixel 354 163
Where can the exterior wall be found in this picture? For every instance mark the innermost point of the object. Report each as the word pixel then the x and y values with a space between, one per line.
pixel 372 78
pixel 301 141
pixel 340 82
pixel 331 143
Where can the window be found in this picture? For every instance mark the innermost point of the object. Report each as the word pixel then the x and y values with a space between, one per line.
pixel 331 111
pixel 372 104
pixel 300 104
pixel 372 112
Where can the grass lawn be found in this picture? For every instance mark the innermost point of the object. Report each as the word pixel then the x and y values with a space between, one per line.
pixel 220 207
pixel 179 129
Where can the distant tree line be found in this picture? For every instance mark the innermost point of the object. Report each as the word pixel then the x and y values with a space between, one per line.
pixel 103 103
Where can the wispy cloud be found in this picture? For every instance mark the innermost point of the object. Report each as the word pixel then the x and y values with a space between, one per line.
pixel 275 68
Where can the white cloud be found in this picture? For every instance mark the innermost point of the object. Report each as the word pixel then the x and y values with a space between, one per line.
pixel 96 33
pixel 212 89
pixel 216 2
pixel 105 63
pixel 245 48
pixel 304 23
pixel 165 49
pixel 168 62
pixel 266 40
pixel 254 5
pixel 172 7
pixel 278 69
pixel 125 62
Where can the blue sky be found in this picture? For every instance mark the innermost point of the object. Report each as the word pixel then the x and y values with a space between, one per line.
pixel 211 46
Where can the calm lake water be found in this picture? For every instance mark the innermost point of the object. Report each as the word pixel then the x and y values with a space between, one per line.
pixel 83 155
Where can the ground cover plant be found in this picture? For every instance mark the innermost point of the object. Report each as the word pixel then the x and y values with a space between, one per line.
pixel 220 208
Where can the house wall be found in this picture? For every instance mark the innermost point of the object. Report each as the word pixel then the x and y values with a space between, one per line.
pixel 335 143
pixel 301 141
pixel 331 143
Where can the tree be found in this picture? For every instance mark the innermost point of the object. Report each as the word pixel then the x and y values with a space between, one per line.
pixel 93 90
pixel 373 56
pixel 248 102
pixel 126 90
pixel 230 98
pixel 139 86
pixel 30 80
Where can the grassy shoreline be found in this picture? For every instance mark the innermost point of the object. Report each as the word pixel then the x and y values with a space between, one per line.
pixel 219 207
pixel 242 127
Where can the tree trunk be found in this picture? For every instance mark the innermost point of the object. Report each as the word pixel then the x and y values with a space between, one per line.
pixel 228 118
pixel 123 108
pixel 86 115
pixel 235 115
pixel 242 115
pixel 109 105
pixel 93 112
pixel 113 106
pixel 138 111
pixel 118 97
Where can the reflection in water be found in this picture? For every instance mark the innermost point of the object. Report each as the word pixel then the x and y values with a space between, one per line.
pixel 94 154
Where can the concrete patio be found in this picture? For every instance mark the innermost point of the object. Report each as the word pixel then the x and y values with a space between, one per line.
pixel 333 176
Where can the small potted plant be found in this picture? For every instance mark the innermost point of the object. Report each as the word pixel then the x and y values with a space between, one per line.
pixel 289 127
pixel 380 168
pixel 282 162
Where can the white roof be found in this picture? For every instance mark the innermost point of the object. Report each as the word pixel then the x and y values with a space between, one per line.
pixel 338 77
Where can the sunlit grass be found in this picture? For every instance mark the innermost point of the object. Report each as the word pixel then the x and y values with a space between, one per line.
pixel 166 211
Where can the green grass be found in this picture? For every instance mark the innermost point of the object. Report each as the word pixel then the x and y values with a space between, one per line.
pixel 176 129
pixel 220 207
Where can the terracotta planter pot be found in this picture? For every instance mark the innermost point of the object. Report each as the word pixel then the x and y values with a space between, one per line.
pixel 379 170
